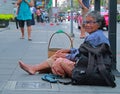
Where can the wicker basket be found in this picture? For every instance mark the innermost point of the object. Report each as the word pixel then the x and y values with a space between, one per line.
pixel 51 51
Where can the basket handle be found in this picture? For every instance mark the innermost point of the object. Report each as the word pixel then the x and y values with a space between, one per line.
pixel 60 31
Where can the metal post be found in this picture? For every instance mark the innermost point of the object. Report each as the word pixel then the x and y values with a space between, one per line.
pixel 56 14
pixel 55 3
pixel 72 34
pixel 45 4
pixel 35 3
pixel 97 5
pixel 112 32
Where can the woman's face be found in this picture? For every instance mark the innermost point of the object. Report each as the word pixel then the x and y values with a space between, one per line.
pixel 90 24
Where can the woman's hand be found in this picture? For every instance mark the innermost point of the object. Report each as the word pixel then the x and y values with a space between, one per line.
pixel 60 51
pixel 63 51
pixel 63 55
pixel 85 10
pixel 18 2
pixel 31 3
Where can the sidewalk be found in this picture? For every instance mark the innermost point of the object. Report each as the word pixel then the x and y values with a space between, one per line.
pixel 13 80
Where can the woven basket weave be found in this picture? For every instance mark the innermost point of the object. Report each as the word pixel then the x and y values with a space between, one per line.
pixel 51 51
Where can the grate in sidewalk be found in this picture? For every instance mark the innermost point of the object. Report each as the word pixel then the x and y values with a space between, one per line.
pixel 2 84
pixel 30 85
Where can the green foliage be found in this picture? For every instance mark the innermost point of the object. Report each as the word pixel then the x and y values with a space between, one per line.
pixel 75 6
pixel 6 16
pixel 76 3
pixel 118 17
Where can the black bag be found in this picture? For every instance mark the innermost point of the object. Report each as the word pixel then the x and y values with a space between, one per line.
pixel 93 67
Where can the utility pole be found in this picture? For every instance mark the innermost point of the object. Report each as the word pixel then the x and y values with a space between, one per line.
pixel 112 33
pixel 72 34
pixel 97 5
pixel 55 3
pixel 56 13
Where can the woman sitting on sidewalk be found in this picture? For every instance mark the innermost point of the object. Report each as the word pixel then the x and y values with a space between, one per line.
pixel 63 61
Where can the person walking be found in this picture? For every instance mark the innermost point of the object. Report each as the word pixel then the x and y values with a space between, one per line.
pixel 38 14
pixel 85 4
pixel 15 12
pixel 33 10
pixel 25 15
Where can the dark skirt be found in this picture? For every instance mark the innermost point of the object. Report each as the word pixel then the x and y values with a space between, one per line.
pixel 33 20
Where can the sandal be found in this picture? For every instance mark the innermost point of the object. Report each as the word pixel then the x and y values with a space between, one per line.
pixel 50 78
pixel 29 39
pixel 22 38
pixel 82 37
pixel 65 81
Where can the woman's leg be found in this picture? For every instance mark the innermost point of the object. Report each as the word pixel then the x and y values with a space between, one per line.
pixel 63 67
pixel 21 25
pixel 22 32
pixel 32 69
pixel 68 67
pixel 29 29
pixel 57 69
pixel 42 67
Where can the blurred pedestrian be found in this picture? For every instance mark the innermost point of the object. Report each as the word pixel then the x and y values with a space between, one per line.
pixel 46 17
pixel 85 4
pixel 33 10
pixel 38 14
pixel 25 15
pixel 15 12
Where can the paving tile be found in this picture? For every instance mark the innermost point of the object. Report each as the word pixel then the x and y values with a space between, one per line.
pixel 30 85
pixel 2 84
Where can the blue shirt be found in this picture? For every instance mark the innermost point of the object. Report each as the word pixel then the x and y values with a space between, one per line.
pixel 96 38
pixel 24 12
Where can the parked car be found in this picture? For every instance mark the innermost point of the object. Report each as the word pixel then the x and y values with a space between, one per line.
pixel 104 13
pixel 106 17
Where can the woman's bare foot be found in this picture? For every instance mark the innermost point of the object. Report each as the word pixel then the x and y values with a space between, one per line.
pixel 28 68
